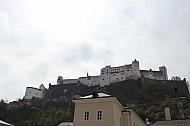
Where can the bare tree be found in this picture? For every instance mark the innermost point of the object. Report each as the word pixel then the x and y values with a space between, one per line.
pixel 176 78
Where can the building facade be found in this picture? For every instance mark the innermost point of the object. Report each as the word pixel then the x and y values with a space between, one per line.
pixel 110 74
pixel 103 110
pixel 34 92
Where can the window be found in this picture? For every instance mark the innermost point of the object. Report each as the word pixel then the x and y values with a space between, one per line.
pixel 99 115
pixel 86 115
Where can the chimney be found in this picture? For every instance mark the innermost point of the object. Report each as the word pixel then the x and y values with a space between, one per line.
pixel 167 113
pixel 95 95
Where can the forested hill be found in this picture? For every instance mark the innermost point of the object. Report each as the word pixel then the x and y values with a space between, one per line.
pixel 146 91
pixel 147 97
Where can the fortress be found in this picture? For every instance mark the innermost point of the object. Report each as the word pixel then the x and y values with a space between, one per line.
pixel 110 74
pixel 107 75
pixel 123 75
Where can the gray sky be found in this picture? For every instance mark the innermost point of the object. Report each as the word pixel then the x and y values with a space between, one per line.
pixel 42 39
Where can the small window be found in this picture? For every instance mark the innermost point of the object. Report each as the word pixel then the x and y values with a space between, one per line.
pixel 86 115
pixel 99 115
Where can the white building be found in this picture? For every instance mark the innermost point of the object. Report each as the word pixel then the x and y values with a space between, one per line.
pixel 90 80
pixel 101 109
pixel 110 74
pixel 115 74
pixel 34 92
pixel 157 75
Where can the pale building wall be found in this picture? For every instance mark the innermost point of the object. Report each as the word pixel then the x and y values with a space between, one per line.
pixel 117 115
pixel 126 119
pixel 83 80
pixel 157 75
pixel 115 74
pixel 136 69
pixel 164 71
pixel 113 113
pixel 135 119
pixel 33 92
pixel 106 107
pixel 116 77
pixel 90 80
pixel 105 76
pixel 95 80
pixel 150 75
pixel 69 81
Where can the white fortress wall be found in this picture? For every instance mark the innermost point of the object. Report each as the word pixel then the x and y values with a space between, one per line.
pixel 157 75
pixel 42 87
pixel 164 71
pixel 116 77
pixel 110 74
pixel 90 80
pixel 95 80
pixel 105 76
pixel 136 68
pixel 69 81
pixel 33 92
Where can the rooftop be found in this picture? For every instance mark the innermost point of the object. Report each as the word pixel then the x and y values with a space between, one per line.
pixel 66 124
pixel 4 123
pixel 100 95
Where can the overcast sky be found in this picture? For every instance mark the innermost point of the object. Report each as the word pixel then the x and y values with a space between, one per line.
pixel 42 39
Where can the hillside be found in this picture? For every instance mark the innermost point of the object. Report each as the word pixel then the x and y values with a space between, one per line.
pixel 146 91
pixel 147 97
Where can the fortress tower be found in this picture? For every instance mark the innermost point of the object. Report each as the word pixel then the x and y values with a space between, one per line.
pixel 136 69
pixel 164 71
pixel 105 76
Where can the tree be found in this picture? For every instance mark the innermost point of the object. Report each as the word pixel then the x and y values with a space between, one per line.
pixel 176 78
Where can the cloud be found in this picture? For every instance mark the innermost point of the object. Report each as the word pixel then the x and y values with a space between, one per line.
pixel 4 23
pixel 40 40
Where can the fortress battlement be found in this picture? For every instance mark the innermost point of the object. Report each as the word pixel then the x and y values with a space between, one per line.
pixel 110 74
